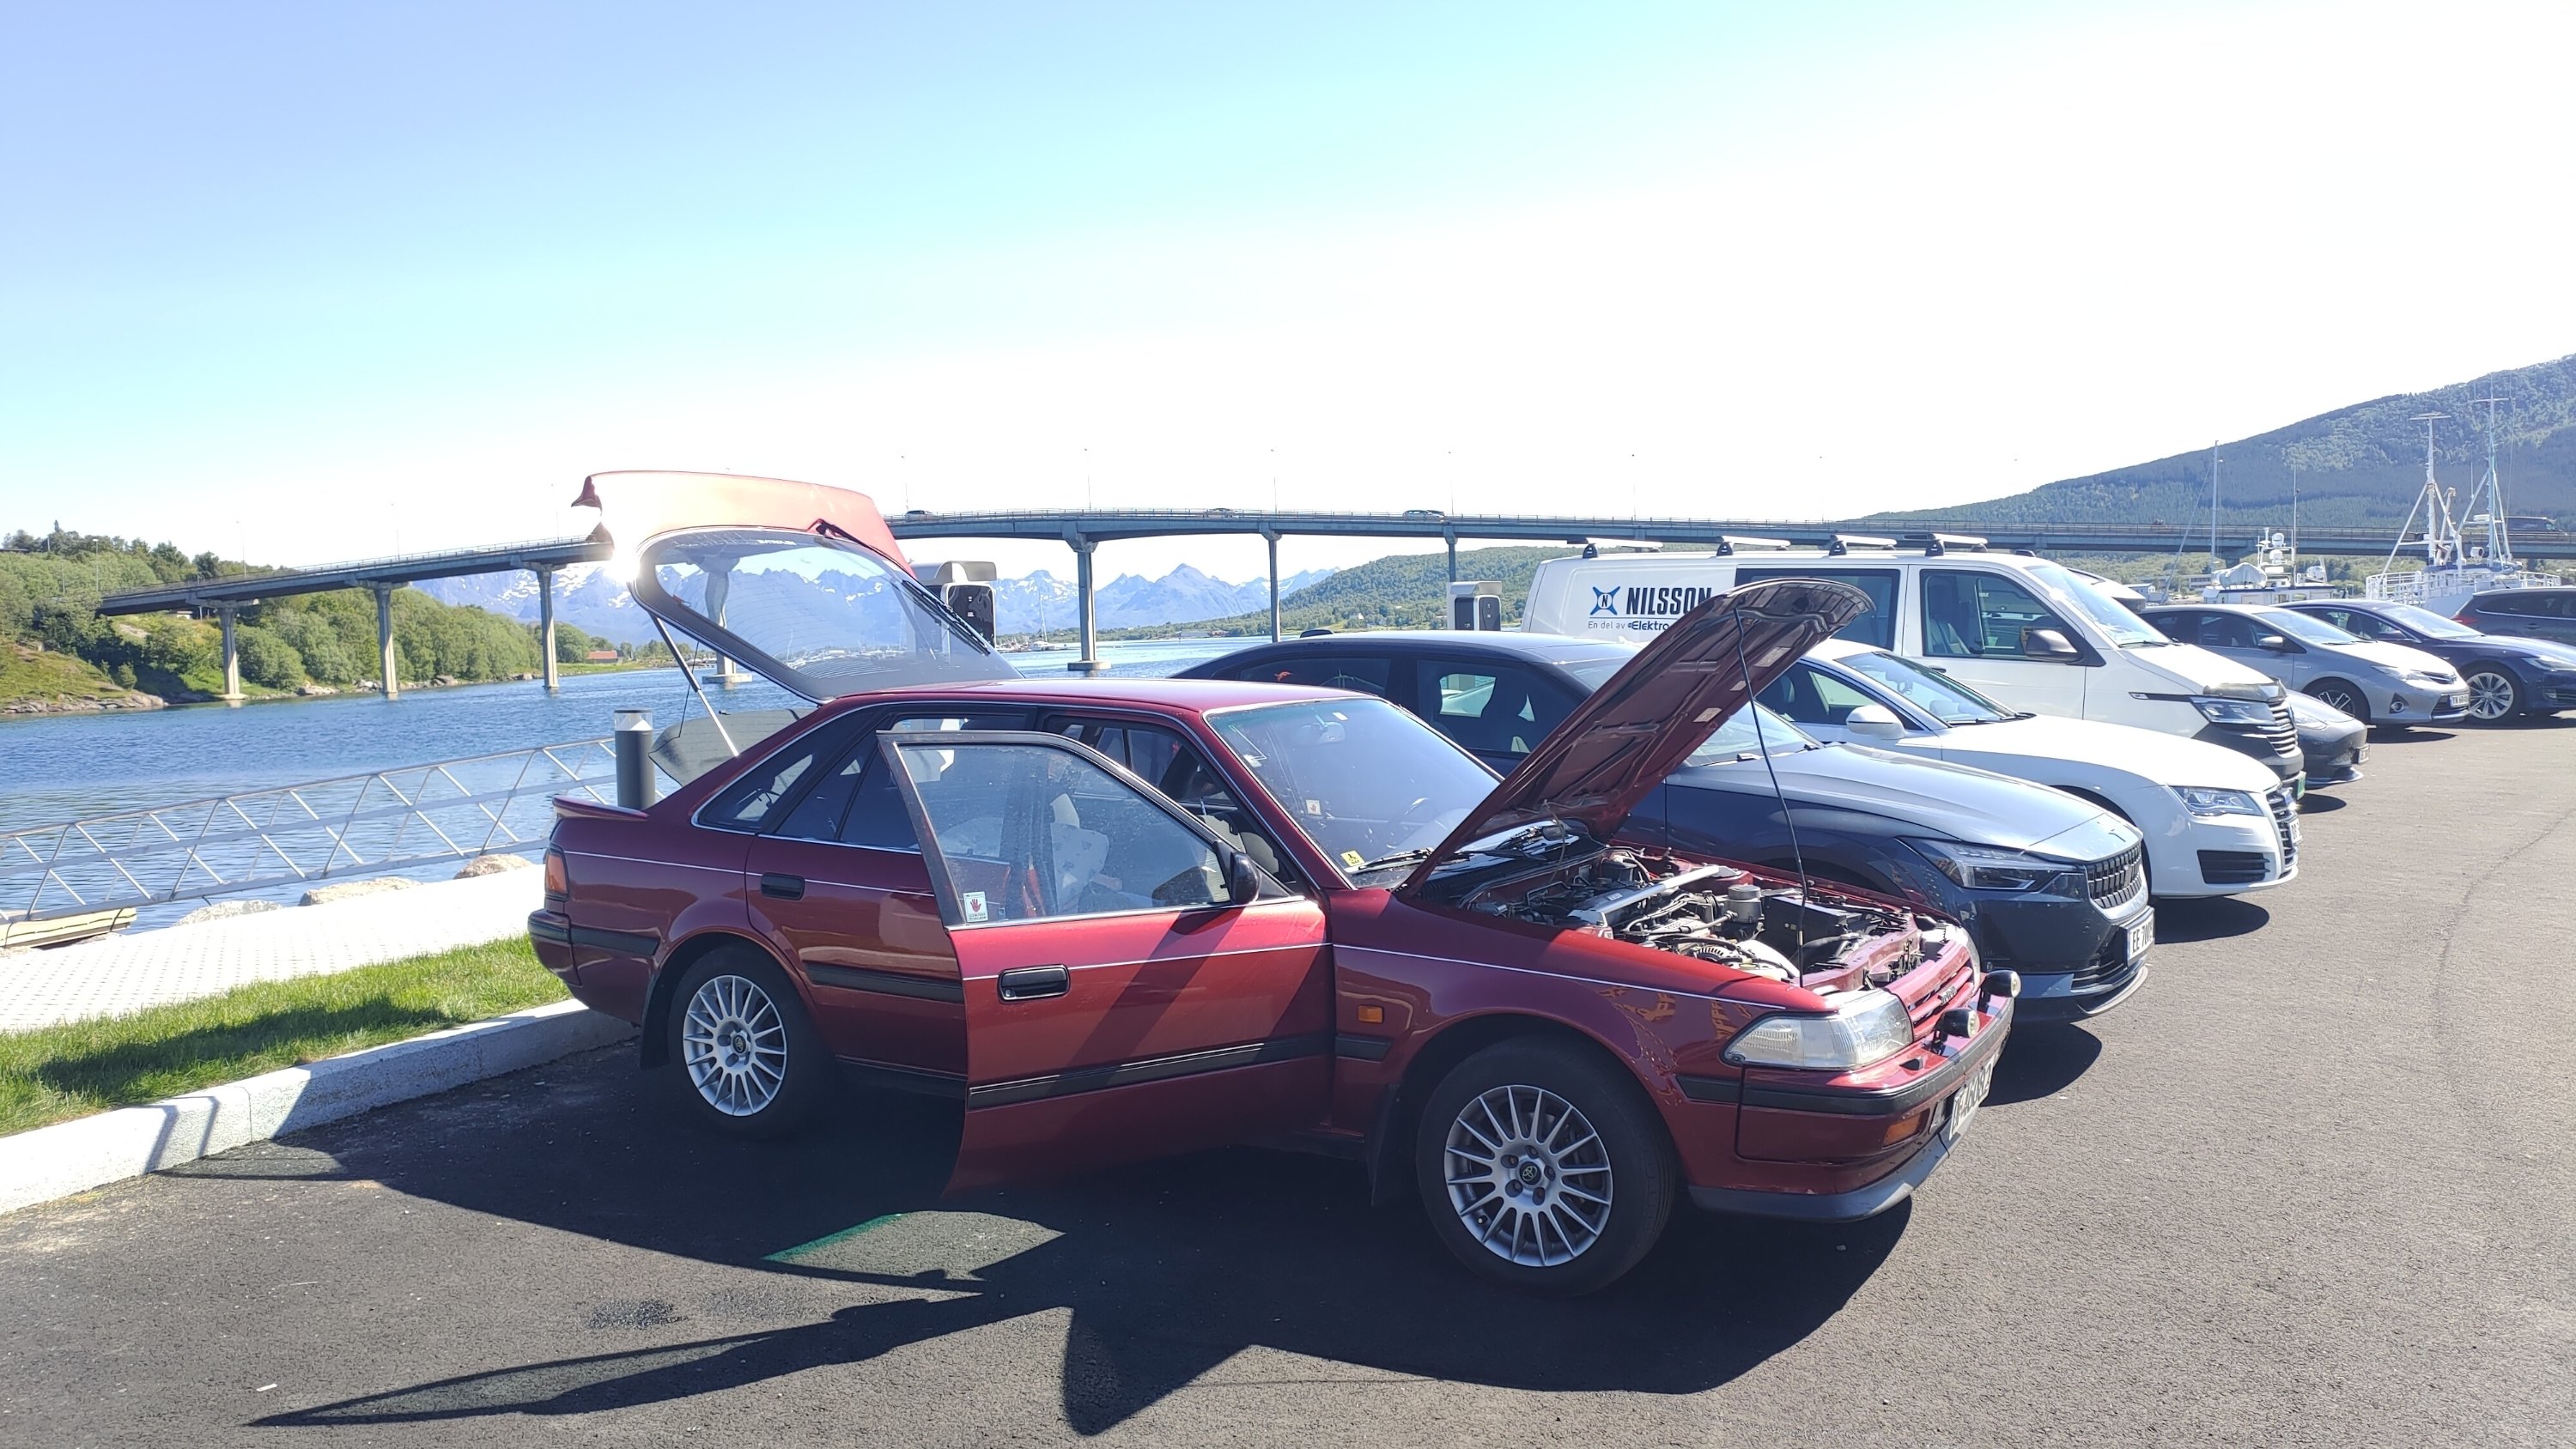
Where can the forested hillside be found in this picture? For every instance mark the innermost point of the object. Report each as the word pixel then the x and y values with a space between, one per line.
pixel 2360 464
pixel 61 654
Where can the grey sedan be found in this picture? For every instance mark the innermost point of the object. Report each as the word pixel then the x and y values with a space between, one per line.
pixel 2376 683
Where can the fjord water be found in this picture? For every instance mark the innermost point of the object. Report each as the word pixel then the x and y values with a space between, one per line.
pixel 55 768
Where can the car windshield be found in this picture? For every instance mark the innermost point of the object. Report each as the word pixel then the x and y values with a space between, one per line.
pixel 2425 622
pixel 1936 694
pixel 818 615
pixel 2306 628
pixel 1745 733
pixel 1366 781
pixel 2088 599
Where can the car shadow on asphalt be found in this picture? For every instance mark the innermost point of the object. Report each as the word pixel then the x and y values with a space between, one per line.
pixel 2316 802
pixel 2406 735
pixel 2042 1061
pixel 1168 1269
pixel 2211 918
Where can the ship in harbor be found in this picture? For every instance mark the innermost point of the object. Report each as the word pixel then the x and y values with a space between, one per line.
pixel 2458 563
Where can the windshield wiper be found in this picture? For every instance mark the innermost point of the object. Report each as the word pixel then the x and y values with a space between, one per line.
pixel 1386 862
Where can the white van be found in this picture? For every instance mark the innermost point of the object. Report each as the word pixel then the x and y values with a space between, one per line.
pixel 2033 634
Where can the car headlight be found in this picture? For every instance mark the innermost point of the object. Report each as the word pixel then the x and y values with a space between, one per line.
pixel 2213 803
pixel 1863 1029
pixel 2429 679
pixel 1990 867
pixel 2232 711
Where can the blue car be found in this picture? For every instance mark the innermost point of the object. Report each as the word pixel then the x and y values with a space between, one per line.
pixel 2506 676
pixel 2049 885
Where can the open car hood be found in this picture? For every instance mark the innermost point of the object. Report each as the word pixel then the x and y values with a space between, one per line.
pixel 1594 769
pixel 802 584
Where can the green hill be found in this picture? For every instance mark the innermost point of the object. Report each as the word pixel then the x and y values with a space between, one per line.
pixel 2355 465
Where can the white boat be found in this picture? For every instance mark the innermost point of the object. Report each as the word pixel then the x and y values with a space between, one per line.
pixel 2455 569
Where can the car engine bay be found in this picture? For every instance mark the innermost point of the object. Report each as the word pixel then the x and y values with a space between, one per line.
pixel 1717 913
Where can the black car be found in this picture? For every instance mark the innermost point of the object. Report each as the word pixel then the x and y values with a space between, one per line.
pixel 2050 886
pixel 2333 743
pixel 2506 676
pixel 2545 613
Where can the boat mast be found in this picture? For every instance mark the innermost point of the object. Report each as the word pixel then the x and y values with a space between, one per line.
pixel 2491 489
pixel 2216 561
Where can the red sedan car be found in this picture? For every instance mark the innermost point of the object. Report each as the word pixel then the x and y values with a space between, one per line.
pixel 1126 918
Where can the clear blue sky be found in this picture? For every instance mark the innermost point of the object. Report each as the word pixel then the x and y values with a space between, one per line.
pixel 303 280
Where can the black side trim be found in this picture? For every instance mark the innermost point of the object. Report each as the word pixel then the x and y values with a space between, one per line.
pixel 1881 1104
pixel 887 983
pixel 1361 1048
pixel 915 1080
pixel 623 943
pixel 1831 1207
pixel 546 926
pixel 1147 1069
pixel 1708 1089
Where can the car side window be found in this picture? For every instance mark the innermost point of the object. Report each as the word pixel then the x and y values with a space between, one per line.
pixel 1489 707
pixel 1812 697
pixel 2368 626
pixel 1877 628
pixel 1971 614
pixel 750 803
pixel 1330 671
pixel 1172 765
pixel 2226 631
pixel 1031 832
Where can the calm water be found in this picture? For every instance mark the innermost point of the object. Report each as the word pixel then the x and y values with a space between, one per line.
pixel 64 767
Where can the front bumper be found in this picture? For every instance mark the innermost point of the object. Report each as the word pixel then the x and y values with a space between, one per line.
pixel 2285 763
pixel 1896 1185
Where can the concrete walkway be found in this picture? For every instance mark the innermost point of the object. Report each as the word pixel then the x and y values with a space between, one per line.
pixel 125 973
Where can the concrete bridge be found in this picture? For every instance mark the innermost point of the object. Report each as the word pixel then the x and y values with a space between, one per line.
pixel 1083 530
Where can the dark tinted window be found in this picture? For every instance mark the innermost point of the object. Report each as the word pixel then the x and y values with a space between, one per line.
pixel 1876 628
pixel 751 802
pixel 876 818
pixel 1489 706
pixel 1331 671
pixel 816 815
pixel 1812 697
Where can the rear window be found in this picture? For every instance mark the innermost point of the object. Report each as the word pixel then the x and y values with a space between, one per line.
pixel 1877 628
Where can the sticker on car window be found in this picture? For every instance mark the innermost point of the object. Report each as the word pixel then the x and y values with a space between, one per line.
pixel 1354 859
pixel 970 904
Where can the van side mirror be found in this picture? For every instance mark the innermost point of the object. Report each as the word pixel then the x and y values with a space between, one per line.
pixel 1242 879
pixel 1874 722
pixel 2039 643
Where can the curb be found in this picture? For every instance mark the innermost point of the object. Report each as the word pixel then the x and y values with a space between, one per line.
pixel 69 1157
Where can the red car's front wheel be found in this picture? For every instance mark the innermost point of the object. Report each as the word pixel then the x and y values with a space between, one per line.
pixel 1543 1168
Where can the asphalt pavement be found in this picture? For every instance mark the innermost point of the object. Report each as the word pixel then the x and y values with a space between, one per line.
pixel 2312 1185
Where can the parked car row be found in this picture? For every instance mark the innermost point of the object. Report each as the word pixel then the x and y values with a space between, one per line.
pixel 1550 932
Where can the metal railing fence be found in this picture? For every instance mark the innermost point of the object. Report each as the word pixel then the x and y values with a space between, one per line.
pixel 292 834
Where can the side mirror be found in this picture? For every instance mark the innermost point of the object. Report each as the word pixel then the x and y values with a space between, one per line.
pixel 2048 644
pixel 1242 879
pixel 2278 644
pixel 1874 722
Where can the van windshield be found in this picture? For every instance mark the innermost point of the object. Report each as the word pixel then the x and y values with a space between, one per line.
pixel 2085 597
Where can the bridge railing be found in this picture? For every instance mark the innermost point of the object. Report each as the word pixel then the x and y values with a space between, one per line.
pixel 295 834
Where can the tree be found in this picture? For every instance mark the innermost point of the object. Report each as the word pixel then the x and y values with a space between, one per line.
pixel 267 659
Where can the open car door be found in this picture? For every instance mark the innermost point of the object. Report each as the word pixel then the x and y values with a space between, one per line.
pixel 1133 987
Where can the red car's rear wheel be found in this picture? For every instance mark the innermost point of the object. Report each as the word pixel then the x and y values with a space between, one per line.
pixel 750 1062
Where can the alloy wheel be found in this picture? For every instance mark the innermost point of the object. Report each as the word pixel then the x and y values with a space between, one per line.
pixel 1528 1175
pixel 2336 696
pixel 2490 696
pixel 734 1043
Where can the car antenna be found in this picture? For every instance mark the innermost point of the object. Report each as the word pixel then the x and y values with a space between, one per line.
pixel 1788 817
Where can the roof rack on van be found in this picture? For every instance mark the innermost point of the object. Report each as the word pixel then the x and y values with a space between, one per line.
pixel 1728 543
pixel 1845 542
pixel 1941 543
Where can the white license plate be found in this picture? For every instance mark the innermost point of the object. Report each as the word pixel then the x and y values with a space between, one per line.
pixel 2142 934
pixel 1965 1102
pixel 2455 701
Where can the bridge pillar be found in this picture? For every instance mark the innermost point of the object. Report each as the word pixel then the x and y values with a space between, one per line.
pixel 546 628
pixel 1452 536
pixel 1271 537
pixel 385 639
pixel 1083 606
pixel 232 657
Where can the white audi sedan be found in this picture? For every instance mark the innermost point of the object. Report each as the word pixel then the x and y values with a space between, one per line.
pixel 2217 822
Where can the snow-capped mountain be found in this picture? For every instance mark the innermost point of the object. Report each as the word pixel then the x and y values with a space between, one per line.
pixel 587 598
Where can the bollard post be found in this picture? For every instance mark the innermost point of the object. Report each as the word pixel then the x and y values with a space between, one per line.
pixel 634 736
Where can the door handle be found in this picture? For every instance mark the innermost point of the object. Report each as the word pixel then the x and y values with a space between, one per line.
pixel 1028 983
pixel 782 887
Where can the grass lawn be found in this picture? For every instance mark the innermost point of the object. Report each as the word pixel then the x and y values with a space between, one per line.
pixel 82 1067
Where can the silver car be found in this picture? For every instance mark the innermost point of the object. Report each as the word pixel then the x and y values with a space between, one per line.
pixel 2376 683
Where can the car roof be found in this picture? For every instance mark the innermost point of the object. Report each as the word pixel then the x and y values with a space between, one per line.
pixel 1508 641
